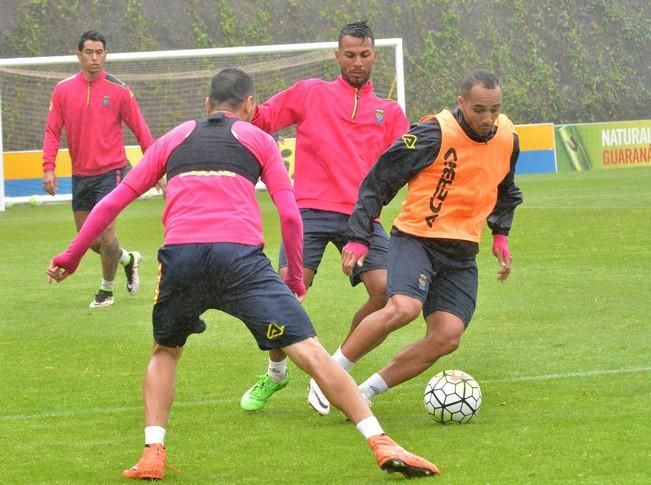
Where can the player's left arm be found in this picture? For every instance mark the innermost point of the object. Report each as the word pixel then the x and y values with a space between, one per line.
pixel 276 179
pixel 51 142
pixel 500 220
pixel 134 119
pixel 399 124
pixel 136 183
pixel 64 264
pixel 291 228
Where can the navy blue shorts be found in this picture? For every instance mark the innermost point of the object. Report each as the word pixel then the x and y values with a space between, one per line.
pixel 88 191
pixel 322 227
pixel 442 283
pixel 233 278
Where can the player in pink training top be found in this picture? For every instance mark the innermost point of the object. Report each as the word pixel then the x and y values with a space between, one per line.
pixel 213 258
pixel 91 107
pixel 342 128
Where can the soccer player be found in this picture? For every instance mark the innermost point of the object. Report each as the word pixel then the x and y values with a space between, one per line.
pixel 213 258
pixel 91 107
pixel 342 128
pixel 460 168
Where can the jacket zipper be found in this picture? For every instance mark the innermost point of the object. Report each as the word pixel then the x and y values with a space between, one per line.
pixel 355 103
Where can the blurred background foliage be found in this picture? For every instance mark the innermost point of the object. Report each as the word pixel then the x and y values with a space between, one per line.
pixel 560 61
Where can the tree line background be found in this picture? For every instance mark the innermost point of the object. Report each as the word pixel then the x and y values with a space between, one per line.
pixel 560 61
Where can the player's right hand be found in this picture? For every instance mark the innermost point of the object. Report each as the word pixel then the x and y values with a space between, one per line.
pixel 161 186
pixel 352 254
pixel 50 183
pixel 297 287
pixel 61 266
pixel 503 254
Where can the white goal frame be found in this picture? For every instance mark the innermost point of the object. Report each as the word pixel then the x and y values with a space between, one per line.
pixel 396 43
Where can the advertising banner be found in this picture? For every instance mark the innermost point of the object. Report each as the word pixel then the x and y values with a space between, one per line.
pixel 599 146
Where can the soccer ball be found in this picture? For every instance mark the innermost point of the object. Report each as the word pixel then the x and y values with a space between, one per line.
pixel 452 396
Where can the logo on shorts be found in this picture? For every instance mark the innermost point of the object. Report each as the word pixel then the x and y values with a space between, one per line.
pixel 105 101
pixel 274 330
pixel 422 281
pixel 379 116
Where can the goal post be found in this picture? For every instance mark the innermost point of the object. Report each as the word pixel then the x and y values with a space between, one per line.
pixel 170 87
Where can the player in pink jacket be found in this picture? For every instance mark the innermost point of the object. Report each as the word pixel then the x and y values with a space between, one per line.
pixel 91 106
pixel 342 128
pixel 213 259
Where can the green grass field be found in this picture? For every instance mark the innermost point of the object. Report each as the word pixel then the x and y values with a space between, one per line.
pixel 562 352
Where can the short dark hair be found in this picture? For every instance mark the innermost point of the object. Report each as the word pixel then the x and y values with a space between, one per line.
pixel 91 35
pixel 360 30
pixel 486 78
pixel 230 87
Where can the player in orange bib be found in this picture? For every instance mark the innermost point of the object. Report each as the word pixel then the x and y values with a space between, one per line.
pixel 459 166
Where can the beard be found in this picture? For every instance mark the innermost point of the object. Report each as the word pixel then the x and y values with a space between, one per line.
pixel 356 81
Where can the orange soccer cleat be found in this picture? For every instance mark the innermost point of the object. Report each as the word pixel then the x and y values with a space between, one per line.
pixel 151 464
pixel 394 458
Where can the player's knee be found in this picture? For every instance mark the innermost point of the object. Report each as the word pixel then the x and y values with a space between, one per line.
pixel 402 310
pixel 442 344
pixel 451 343
pixel 378 300
pixel 95 246
pixel 308 354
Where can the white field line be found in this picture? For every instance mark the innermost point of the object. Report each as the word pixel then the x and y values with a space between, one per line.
pixel 211 402
pixel 588 373
pixel 584 207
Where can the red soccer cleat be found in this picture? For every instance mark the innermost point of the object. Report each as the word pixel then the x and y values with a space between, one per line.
pixel 394 458
pixel 151 464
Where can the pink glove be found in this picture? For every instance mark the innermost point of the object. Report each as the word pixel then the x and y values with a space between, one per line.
pixel 503 255
pixel 501 247
pixel 296 285
pixel 62 265
pixel 358 249
pixel 67 261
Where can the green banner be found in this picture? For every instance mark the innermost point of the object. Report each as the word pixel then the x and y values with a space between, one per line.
pixel 598 146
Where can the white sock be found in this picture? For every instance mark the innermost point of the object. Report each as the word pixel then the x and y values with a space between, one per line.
pixel 369 427
pixel 373 386
pixel 277 370
pixel 106 285
pixel 154 435
pixel 124 257
pixel 342 360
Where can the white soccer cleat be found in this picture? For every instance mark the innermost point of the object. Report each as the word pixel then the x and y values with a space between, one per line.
pixel 132 273
pixel 317 400
pixel 103 299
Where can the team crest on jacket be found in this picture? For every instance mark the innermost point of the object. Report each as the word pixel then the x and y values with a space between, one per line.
pixel 105 101
pixel 379 116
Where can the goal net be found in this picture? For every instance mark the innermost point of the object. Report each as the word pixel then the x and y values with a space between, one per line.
pixel 170 87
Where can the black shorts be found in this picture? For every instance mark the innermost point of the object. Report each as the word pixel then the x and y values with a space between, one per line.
pixel 233 278
pixel 88 191
pixel 322 227
pixel 442 283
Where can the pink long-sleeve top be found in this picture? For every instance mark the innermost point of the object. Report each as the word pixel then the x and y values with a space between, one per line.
pixel 92 112
pixel 340 132
pixel 212 166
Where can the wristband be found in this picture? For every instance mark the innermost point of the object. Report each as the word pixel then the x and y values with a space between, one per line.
pixel 358 249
